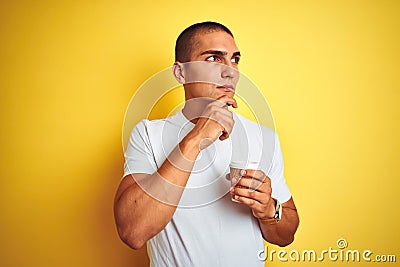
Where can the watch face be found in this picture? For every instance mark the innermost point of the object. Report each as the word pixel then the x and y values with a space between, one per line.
pixel 278 209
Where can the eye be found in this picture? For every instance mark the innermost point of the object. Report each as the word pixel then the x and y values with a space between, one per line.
pixel 235 60
pixel 213 59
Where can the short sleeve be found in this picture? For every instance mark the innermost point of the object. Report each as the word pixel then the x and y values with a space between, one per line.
pixel 139 156
pixel 280 189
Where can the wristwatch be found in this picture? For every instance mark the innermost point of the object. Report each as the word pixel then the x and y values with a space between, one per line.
pixel 277 216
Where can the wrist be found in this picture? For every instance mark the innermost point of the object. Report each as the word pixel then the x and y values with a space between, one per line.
pixel 277 214
pixel 190 146
pixel 197 140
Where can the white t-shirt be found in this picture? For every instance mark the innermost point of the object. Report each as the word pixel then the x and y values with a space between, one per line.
pixel 207 228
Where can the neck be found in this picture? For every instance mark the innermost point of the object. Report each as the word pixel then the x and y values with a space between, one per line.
pixel 194 108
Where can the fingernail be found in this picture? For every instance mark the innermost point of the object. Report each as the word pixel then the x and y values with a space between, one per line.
pixel 234 180
pixel 242 172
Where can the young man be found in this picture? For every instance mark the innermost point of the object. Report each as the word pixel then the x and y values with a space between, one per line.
pixel 171 200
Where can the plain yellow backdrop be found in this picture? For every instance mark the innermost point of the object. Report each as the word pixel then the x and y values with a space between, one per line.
pixel 329 70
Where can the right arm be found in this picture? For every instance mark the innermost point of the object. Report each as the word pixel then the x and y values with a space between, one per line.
pixel 138 215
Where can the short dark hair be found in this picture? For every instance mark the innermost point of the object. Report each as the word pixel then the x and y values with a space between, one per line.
pixel 185 43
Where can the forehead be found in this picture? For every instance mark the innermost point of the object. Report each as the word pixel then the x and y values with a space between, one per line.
pixel 218 40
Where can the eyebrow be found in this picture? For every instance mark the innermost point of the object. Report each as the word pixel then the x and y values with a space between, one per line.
pixel 219 53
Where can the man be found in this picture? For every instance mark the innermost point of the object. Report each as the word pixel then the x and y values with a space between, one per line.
pixel 171 200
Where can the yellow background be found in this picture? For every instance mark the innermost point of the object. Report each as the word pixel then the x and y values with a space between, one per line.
pixel 329 70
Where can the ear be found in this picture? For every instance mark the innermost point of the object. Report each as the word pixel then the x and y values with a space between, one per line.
pixel 178 72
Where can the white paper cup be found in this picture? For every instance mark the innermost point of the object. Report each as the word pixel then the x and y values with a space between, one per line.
pixel 236 169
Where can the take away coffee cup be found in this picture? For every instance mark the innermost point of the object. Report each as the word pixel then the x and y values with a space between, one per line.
pixel 236 170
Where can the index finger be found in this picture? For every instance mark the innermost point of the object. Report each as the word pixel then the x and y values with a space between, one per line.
pixel 256 174
pixel 229 101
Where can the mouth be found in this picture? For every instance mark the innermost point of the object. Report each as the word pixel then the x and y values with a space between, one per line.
pixel 227 88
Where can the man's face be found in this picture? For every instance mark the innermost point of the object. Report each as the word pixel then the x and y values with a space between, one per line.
pixel 213 68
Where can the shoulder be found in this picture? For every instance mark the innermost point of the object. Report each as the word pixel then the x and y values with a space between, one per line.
pixel 153 129
pixel 145 123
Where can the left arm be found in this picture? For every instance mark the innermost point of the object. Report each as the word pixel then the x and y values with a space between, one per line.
pixel 282 233
pixel 255 192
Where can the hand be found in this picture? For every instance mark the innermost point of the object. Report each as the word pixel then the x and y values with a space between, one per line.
pixel 254 190
pixel 215 122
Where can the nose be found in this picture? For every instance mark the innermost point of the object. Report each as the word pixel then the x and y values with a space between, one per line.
pixel 228 72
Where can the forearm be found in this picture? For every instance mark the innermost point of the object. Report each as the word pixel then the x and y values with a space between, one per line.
pixel 144 204
pixel 282 233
